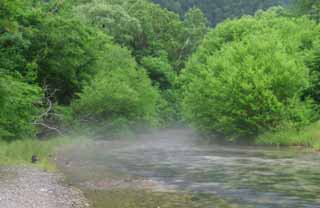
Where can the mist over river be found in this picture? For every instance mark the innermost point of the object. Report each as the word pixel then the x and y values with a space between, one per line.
pixel 174 168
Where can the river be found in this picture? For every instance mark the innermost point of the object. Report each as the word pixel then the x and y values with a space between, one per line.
pixel 174 168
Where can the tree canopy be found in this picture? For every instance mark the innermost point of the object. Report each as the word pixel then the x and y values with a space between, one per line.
pixel 249 76
pixel 117 64
pixel 219 10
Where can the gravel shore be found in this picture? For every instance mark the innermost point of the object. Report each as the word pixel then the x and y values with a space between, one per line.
pixel 27 187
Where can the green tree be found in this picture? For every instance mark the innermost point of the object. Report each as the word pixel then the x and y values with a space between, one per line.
pixel 50 50
pixel 159 71
pixel 313 62
pixel 196 27
pixel 248 76
pixel 159 40
pixel 15 27
pixel 65 53
pixel 308 7
pixel 219 10
pixel 143 27
pixel 111 18
pixel 119 95
pixel 19 104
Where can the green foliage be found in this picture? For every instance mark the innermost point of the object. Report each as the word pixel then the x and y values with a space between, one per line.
pixel 14 41
pixel 163 77
pixel 248 76
pixel 311 8
pixel 115 64
pixel 65 52
pixel 308 136
pixel 132 23
pixel 118 95
pixel 18 104
pixel 6 10
pixel 235 30
pixel 146 28
pixel 159 71
pixel 111 18
pixel 168 109
pixel 161 30
pixel 20 152
pixel 55 52
pixel 313 62
pixel 196 27
pixel 219 10
pixel 45 46
pixel 160 42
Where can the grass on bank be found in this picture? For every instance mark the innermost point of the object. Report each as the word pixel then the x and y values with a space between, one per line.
pixel 307 137
pixel 20 152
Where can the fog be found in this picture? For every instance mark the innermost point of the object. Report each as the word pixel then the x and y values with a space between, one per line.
pixel 179 161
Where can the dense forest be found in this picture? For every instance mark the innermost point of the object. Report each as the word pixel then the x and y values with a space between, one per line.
pixel 218 10
pixel 114 65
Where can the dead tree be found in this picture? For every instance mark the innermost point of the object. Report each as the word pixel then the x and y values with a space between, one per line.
pixel 40 121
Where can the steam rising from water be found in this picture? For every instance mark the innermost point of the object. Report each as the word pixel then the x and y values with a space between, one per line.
pixel 175 160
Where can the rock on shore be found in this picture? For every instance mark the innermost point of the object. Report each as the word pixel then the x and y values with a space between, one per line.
pixel 27 187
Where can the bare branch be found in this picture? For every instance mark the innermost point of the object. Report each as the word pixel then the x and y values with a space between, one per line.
pixel 186 43
pixel 49 127
pixel 47 112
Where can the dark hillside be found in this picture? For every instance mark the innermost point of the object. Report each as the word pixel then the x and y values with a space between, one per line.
pixel 219 10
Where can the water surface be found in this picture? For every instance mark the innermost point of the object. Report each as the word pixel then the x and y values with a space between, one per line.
pixel 173 169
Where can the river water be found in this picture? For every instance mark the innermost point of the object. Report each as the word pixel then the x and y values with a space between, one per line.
pixel 174 168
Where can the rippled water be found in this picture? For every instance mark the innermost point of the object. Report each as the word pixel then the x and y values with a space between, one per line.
pixel 196 174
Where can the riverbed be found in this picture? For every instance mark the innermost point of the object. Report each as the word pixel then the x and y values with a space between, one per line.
pixel 175 168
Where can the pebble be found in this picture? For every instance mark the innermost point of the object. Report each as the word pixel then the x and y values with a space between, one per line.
pixel 29 187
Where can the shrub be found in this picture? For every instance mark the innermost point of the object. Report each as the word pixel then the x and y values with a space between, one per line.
pixel 119 95
pixel 248 77
pixel 18 108
pixel 288 136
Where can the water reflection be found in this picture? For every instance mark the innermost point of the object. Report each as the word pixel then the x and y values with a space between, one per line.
pixel 174 160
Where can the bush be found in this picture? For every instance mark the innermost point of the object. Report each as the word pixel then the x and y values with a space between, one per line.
pixel 168 110
pixel 160 71
pixel 68 51
pixel 119 95
pixel 288 136
pixel 248 77
pixel 18 108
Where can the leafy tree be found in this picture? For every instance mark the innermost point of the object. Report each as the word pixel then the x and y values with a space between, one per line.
pixel 162 30
pixel 48 49
pixel 313 62
pixel 14 27
pixel 65 54
pixel 195 28
pixel 111 18
pixel 219 10
pixel 159 71
pixel 18 102
pixel 159 40
pixel 120 94
pixel 248 76
pixel 308 7
pixel 6 8
pixel 146 28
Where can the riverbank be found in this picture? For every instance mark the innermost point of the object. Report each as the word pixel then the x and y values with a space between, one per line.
pixel 308 137
pixel 20 152
pixel 23 186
